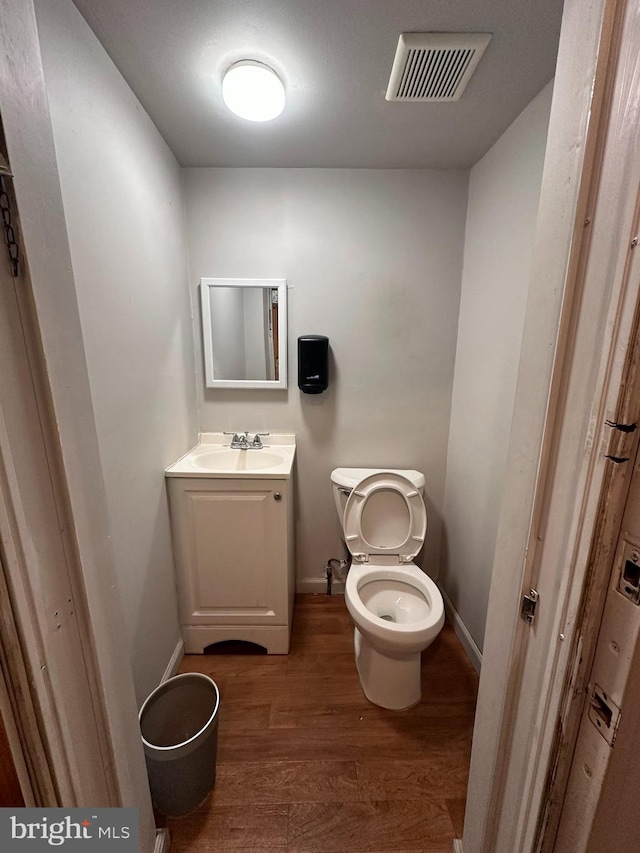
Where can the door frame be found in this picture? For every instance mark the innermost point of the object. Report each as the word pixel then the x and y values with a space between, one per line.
pixel 620 212
pixel 45 643
pixel 579 332
pixel 17 705
pixel 17 713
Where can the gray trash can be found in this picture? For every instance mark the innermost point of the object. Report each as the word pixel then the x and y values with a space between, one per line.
pixel 179 727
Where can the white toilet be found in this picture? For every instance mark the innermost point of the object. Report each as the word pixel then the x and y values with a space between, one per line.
pixel 397 609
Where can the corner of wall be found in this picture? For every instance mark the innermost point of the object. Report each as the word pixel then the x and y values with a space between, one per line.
pixel 502 211
pixel 468 643
pixel 195 314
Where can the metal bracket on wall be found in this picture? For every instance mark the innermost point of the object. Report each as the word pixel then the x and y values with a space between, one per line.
pixel 604 714
pixel 529 605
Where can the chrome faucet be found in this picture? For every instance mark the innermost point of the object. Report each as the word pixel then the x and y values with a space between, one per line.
pixel 240 441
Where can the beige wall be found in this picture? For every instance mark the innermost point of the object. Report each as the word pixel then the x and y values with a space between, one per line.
pixel 504 189
pixel 373 260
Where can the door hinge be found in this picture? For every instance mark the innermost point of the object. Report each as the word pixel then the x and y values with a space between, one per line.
pixel 529 605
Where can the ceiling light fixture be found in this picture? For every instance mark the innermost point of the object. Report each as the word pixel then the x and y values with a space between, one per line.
pixel 253 91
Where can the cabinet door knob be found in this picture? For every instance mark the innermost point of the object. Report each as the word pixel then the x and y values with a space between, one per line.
pixel 277 496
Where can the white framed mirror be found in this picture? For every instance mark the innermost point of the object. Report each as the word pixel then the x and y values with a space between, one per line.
pixel 244 332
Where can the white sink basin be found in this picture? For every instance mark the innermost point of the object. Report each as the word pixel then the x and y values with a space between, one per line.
pixel 225 459
pixel 213 457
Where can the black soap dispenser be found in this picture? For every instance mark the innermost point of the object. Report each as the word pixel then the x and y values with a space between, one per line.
pixel 313 364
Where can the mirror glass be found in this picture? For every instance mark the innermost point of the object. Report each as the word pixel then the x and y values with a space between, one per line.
pixel 244 332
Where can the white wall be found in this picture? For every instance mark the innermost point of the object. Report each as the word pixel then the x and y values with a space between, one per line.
pixel 122 196
pixel 504 189
pixel 226 310
pixel 373 260
pixel 255 328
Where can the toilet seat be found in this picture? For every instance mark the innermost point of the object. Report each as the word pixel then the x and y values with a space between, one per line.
pixel 386 543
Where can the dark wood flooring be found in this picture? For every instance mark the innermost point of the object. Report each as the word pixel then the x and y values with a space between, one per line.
pixel 307 765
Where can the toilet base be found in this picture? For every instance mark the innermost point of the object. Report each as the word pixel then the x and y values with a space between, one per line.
pixel 390 682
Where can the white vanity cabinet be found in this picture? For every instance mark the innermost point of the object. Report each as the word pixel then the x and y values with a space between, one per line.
pixel 234 555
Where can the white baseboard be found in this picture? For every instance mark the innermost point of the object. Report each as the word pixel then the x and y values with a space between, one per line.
pixel 473 652
pixel 318 586
pixel 174 661
pixel 163 841
pixel 457 846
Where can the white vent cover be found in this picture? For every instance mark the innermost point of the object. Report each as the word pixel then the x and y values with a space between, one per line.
pixel 434 66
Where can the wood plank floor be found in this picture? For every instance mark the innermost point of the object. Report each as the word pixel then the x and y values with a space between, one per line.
pixel 307 765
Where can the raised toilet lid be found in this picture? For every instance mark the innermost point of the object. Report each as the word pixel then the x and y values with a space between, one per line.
pixel 385 515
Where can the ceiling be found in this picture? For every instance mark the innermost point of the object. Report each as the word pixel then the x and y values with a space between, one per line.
pixel 335 58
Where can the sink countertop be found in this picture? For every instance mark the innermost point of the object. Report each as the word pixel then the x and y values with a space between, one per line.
pixel 213 457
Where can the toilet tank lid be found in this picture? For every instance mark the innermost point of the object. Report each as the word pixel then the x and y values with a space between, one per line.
pixel 349 478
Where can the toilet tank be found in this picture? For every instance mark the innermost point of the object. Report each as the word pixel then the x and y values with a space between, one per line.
pixel 344 480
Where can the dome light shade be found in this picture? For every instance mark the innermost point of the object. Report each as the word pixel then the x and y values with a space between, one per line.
pixel 253 91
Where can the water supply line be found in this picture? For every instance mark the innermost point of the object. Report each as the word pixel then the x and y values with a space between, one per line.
pixel 333 569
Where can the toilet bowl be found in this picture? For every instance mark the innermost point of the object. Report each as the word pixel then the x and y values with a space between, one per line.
pixel 396 608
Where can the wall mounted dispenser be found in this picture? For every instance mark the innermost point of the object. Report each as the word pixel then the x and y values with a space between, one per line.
pixel 313 364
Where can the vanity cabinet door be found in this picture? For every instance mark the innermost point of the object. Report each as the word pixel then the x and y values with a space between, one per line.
pixel 230 544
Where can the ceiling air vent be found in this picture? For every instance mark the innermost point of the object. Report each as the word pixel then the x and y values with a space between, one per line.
pixel 434 66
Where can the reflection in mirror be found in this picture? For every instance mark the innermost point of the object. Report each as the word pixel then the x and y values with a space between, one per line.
pixel 244 325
